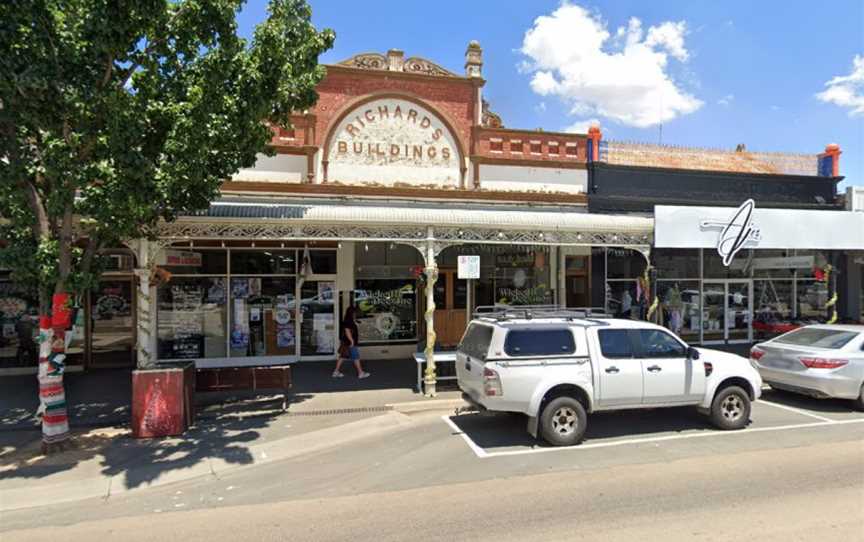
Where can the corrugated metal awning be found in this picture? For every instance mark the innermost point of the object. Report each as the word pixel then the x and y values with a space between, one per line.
pixel 401 214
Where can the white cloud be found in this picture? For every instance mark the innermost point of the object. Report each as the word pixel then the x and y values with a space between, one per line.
pixel 775 108
pixel 540 107
pixel 847 90
pixel 726 101
pixel 581 126
pixel 624 77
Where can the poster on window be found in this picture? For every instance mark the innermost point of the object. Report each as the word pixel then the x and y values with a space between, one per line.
pixel 239 288
pixel 216 291
pixel 387 310
pixel 323 328
pixel 240 329
pixel 285 335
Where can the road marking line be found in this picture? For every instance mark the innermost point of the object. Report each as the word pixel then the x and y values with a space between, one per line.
pixel 478 451
pixel 796 411
pixel 483 454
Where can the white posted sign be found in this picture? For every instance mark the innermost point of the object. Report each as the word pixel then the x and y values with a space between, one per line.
pixel 469 267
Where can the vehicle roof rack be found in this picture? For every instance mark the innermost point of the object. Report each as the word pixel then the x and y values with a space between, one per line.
pixel 502 312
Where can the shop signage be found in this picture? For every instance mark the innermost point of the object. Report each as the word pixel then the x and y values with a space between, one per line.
pixel 789 262
pixel 731 230
pixel 468 267
pixel 180 258
pixel 735 234
pixel 389 141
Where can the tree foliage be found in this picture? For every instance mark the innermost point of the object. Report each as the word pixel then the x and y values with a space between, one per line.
pixel 115 114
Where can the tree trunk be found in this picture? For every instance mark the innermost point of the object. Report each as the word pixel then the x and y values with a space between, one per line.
pixel 52 355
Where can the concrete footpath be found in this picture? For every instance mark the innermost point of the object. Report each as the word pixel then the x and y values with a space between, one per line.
pixel 231 431
pixel 106 462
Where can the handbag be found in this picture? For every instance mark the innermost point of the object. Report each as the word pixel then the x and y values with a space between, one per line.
pixel 344 350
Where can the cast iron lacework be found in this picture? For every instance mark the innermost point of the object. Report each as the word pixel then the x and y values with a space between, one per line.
pixel 414 235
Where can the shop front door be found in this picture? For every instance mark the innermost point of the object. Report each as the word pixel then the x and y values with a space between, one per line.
pixel 451 297
pixel 318 322
pixel 727 311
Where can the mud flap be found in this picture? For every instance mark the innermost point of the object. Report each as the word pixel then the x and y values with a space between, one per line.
pixel 533 425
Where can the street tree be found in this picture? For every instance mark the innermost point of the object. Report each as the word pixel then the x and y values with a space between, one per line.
pixel 116 114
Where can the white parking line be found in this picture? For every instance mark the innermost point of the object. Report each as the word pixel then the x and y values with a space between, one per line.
pixel 796 410
pixel 478 451
pixel 483 454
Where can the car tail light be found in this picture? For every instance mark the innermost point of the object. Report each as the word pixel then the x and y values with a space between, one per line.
pixel 756 354
pixel 491 383
pixel 823 363
pixel 709 368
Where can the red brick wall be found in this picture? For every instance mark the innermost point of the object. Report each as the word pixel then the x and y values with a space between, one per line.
pixel 455 98
pixel 484 136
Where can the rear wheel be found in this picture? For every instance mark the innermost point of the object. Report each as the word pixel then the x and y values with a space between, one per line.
pixel 731 408
pixel 859 403
pixel 563 422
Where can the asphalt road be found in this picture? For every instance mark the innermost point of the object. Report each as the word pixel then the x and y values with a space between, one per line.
pixel 792 476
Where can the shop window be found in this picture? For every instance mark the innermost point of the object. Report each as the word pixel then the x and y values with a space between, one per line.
pixel 773 307
pixel 624 299
pixel 263 312
pixel 323 262
pixel 263 262
pixel 112 319
pixel 738 269
pixel 195 261
pixel 674 263
pixel 19 326
pixel 624 263
pixel 387 310
pixel 812 297
pixel 779 264
pixel 318 326
pixel 522 278
pixel 680 308
pixel 191 317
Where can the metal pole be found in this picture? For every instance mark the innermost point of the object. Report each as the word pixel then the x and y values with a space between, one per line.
pixel 431 277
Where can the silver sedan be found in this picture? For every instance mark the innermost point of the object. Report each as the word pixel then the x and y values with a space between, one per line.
pixel 819 361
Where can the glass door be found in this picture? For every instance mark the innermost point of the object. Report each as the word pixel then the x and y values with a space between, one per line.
pixel 727 311
pixel 112 321
pixel 318 322
pixel 739 311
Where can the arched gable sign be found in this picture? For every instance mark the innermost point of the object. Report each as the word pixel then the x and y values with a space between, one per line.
pixel 392 140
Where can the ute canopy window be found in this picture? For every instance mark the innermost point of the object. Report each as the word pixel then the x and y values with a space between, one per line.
pixel 816 337
pixel 539 342
pixel 475 342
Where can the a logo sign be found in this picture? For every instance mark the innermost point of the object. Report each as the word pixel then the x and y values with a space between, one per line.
pixel 389 141
pixel 738 232
pixel 468 267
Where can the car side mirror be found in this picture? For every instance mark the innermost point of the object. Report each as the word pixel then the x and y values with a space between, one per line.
pixel 692 353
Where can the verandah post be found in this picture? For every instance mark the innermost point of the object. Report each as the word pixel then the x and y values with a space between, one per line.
pixel 431 271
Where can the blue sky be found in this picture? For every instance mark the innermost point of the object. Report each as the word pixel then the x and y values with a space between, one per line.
pixel 716 73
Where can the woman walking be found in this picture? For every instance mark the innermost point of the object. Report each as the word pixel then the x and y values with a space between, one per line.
pixel 348 338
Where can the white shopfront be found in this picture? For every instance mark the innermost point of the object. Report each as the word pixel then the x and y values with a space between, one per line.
pixel 735 275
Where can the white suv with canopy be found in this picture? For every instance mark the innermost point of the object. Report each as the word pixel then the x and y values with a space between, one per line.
pixel 557 367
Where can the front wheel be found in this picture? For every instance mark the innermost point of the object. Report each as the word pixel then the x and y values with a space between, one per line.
pixel 731 408
pixel 563 422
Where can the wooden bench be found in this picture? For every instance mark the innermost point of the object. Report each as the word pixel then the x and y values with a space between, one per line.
pixel 270 377
pixel 445 360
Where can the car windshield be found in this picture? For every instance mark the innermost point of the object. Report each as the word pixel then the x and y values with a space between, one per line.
pixel 820 338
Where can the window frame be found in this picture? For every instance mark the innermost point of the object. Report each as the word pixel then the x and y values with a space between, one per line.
pixel 642 353
pixel 628 333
